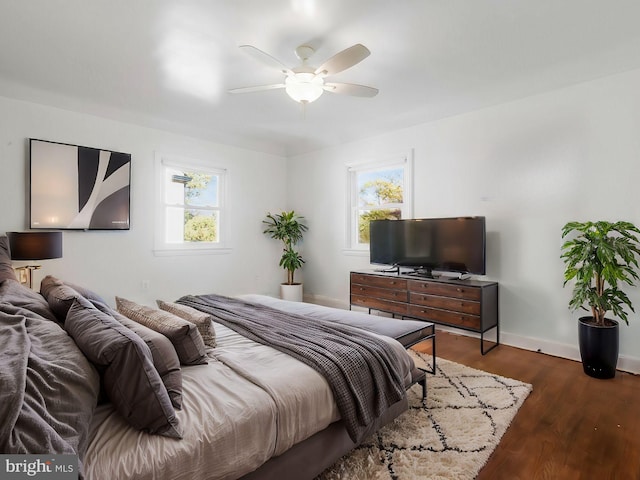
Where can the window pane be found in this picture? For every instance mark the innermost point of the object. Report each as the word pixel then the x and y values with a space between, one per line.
pixel 191 188
pixel 380 187
pixel 185 225
pixel 365 216
pixel 174 182
pixel 202 190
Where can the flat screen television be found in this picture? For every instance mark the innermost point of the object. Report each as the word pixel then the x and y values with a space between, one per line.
pixel 445 244
pixel 81 188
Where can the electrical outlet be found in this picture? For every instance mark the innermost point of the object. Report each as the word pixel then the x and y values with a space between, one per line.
pixel 144 284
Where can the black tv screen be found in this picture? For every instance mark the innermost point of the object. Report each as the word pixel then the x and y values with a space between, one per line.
pixel 448 244
pixel 74 187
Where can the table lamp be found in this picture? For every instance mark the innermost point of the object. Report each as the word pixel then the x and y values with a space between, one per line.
pixel 34 246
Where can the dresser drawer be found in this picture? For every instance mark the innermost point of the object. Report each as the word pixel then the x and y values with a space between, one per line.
pixel 378 292
pixel 379 281
pixel 445 317
pixel 379 304
pixel 445 303
pixel 445 290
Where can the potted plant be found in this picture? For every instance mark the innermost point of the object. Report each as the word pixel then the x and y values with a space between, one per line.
pixel 599 258
pixel 288 227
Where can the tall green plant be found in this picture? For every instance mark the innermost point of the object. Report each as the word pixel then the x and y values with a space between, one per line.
pixel 287 227
pixel 600 257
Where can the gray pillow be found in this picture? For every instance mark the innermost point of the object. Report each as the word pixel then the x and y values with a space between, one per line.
pixel 86 293
pixel 164 355
pixel 59 296
pixel 201 320
pixel 129 378
pixel 183 334
pixel 6 269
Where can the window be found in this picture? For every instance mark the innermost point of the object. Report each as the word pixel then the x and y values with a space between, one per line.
pixel 378 190
pixel 192 200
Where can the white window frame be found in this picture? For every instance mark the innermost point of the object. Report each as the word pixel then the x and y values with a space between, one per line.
pixel 401 160
pixel 164 248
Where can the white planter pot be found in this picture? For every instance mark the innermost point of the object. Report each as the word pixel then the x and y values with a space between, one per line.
pixel 291 292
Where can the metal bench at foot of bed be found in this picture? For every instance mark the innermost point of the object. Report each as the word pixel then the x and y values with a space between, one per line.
pixel 407 331
pixel 417 332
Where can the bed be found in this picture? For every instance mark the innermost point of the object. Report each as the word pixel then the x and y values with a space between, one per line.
pixel 246 409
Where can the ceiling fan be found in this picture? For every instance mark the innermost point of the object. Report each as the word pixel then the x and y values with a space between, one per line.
pixel 305 83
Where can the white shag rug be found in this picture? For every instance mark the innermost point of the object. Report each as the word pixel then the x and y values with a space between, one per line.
pixel 448 437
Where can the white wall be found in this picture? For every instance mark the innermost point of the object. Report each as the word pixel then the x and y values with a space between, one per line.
pixel 117 263
pixel 529 166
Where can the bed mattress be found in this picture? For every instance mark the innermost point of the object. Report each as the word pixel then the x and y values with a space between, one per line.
pixel 249 403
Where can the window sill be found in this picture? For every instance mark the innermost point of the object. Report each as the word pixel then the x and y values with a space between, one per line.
pixel 356 252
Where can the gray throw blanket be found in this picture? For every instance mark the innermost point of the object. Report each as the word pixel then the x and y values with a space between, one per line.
pixel 48 389
pixel 361 369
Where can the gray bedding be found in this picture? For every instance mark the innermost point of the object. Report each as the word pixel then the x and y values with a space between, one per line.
pixel 364 384
pixel 48 389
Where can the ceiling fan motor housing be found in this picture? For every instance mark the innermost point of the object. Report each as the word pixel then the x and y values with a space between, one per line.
pixel 304 52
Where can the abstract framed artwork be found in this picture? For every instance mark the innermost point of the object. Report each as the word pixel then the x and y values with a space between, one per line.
pixel 78 188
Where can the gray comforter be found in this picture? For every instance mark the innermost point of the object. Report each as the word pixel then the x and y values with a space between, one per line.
pixel 362 370
pixel 48 390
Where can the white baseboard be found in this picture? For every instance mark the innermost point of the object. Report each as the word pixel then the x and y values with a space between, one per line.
pixel 626 363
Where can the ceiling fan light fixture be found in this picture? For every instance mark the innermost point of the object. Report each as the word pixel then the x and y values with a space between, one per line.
pixel 304 87
pixel 304 83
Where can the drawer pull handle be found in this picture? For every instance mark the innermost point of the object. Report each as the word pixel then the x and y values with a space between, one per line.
pixel 392 283
pixel 460 290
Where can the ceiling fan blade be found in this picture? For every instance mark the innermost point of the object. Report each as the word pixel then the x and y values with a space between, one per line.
pixel 347 58
pixel 351 89
pixel 259 88
pixel 266 59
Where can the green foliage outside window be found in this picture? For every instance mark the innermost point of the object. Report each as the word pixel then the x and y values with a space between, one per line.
pixel 194 187
pixel 200 228
pixel 366 217
pixel 377 193
pixel 381 191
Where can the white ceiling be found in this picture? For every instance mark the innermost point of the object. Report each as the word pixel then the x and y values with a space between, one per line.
pixel 169 63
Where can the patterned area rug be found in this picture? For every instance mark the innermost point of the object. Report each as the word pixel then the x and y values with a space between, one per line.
pixel 450 436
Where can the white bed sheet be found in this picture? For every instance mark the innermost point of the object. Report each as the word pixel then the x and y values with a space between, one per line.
pixel 220 416
pixel 249 403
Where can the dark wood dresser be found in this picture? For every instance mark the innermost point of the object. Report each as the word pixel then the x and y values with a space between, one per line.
pixel 467 304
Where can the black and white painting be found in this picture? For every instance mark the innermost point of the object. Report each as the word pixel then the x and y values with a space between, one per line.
pixel 74 187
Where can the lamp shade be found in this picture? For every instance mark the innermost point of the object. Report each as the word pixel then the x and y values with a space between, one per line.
pixel 35 245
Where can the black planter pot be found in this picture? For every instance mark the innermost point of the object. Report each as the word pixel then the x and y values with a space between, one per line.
pixel 598 348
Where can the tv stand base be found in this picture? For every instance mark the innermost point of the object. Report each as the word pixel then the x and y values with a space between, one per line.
pixel 453 275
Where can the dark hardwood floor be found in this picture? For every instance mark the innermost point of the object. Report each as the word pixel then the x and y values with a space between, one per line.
pixel 570 427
